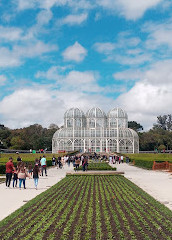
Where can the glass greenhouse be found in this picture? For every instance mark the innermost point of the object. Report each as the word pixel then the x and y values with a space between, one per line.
pixel 96 131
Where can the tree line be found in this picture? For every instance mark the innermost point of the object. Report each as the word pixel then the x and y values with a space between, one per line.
pixel 159 137
pixel 37 137
pixel 33 137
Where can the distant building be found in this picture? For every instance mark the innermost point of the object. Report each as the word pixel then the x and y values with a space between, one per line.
pixel 96 132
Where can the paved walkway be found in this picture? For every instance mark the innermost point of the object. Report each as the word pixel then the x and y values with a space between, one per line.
pixel 12 199
pixel 156 183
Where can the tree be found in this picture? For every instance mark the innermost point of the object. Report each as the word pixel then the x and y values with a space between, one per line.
pixel 17 143
pixel 135 126
pixel 53 126
pixel 164 122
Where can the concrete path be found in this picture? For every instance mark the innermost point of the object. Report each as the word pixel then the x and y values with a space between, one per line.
pixel 13 198
pixel 156 183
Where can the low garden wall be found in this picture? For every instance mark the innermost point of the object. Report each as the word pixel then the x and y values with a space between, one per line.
pixel 160 166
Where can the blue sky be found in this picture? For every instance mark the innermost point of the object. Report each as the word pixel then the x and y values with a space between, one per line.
pixel 58 54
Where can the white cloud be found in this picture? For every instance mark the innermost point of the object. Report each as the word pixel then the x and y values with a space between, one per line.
pixel 22 4
pixel 44 17
pixel 158 34
pixel 48 4
pixel 83 81
pixel 16 56
pixel 125 50
pixel 51 74
pixel 75 53
pixel 151 96
pixel 2 79
pixel 72 80
pixel 105 48
pixel 10 33
pixel 74 19
pixel 146 101
pixel 156 73
pixel 33 50
pixel 131 74
pixel 8 58
pixel 29 106
pixel 134 60
pixel 134 51
pixel 131 10
pixel 160 73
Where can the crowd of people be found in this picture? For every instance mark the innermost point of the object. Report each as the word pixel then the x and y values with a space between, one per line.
pixel 116 159
pixel 76 160
pixel 22 171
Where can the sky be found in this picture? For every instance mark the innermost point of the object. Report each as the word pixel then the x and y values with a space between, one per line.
pixel 59 54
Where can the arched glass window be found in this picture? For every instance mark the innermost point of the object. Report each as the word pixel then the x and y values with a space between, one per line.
pixel 92 123
pixel 69 122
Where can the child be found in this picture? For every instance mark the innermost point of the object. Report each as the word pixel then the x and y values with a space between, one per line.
pixel 30 169
pixel 15 178
pixel 36 172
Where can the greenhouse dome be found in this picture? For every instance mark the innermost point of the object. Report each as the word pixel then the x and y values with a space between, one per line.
pixel 96 118
pixel 74 113
pixel 74 118
pixel 117 118
pixel 95 132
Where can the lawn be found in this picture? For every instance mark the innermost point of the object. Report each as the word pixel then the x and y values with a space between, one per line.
pixel 90 207
pixel 151 156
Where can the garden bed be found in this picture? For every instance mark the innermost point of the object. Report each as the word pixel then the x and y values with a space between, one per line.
pixel 90 207
pixel 95 173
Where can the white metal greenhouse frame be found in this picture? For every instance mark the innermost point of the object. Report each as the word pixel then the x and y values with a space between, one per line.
pixel 96 132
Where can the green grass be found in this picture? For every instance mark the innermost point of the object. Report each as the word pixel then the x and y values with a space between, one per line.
pixel 150 156
pixel 26 157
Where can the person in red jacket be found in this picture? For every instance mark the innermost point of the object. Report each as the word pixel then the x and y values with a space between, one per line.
pixel 9 171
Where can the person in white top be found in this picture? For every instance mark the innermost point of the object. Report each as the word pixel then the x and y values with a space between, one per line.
pixel 43 163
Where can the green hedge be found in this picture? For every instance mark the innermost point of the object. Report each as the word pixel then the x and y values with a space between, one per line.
pixel 2 169
pixel 143 164
pixel 99 166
